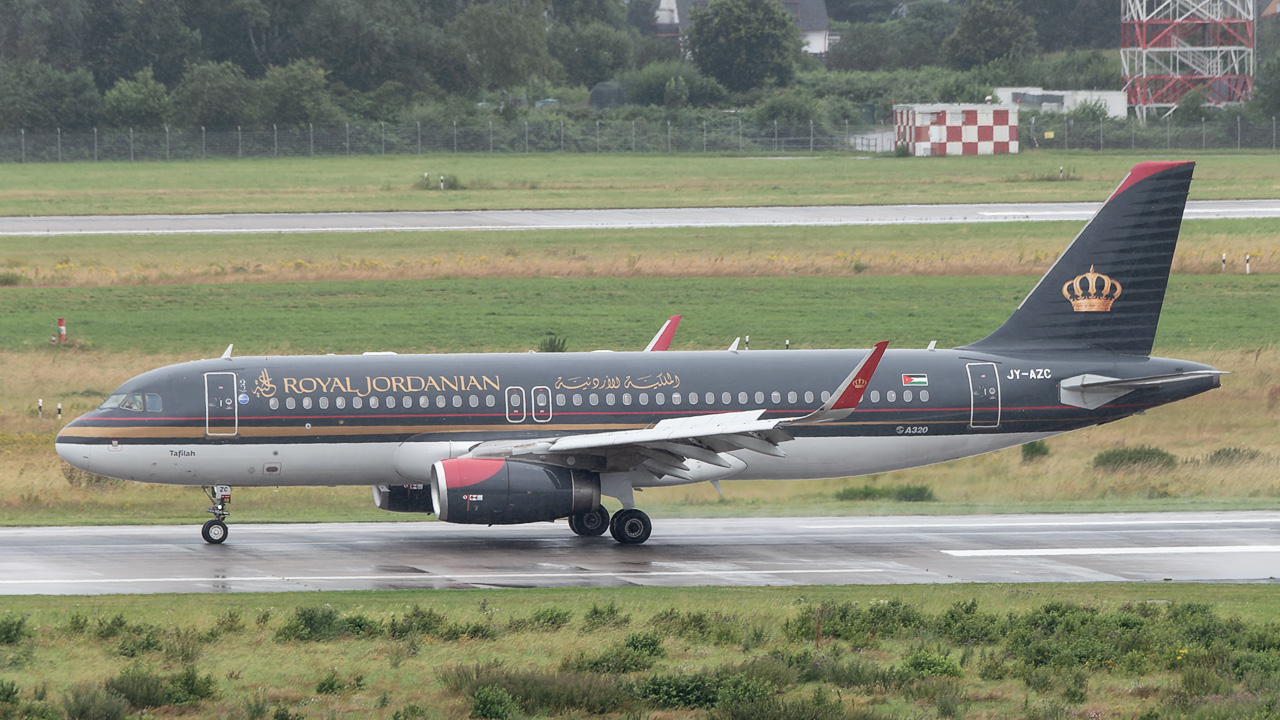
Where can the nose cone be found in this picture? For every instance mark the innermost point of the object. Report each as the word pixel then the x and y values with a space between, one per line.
pixel 73 453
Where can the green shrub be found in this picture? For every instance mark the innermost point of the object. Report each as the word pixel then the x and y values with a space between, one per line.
pixel 848 621
pixel 229 622
pixel 964 625
pixel 913 493
pixel 900 493
pixel 1076 686
pixel 1142 457
pixel 141 686
pixel 13 628
pixel 11 279
pixel 646 643
pixel 615 661
pixel 493 703
pixel 1035 450
pixel 325 623
pixel 9 692
pixel 473 631
pixel 1232 456
pixel 716 627
pixel 687 690
pixel 542 620
pixel 553 344
pixel 89 701
pixel 924 663
pixel 992 665
pixel 417 622
pixel 542 693
pixel 608 616
pixel 738 689
pixel 331 684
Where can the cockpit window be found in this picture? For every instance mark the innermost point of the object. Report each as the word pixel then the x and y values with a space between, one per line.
pixel 154 403
pixel 112 402
pixel 132 402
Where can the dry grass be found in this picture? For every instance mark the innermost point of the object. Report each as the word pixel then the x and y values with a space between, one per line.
pixel 931 250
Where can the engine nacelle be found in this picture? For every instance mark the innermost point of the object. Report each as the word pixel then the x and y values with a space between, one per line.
pixel 506 492
pixel 403 498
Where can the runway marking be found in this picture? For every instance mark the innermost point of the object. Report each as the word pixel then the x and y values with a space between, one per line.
pixel 1048 552
pixel 437 576
pixel 1044 523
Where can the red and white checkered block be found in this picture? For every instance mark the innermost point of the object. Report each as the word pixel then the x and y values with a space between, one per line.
pixel 940 130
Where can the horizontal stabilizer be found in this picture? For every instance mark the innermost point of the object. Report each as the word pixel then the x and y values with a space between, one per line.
pixel 1093 391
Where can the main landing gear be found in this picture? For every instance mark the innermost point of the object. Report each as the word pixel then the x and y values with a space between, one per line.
pixel 628 526
pixel 214 531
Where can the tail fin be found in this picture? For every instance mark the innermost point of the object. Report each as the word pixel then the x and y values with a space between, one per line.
pixel 1105 291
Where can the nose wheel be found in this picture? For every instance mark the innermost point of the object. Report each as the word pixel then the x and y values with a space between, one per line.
pixel 215 531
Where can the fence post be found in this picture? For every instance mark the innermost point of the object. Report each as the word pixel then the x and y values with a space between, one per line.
pixel 166 143
pixel 810 135
pixel 526 137
pixel 1168 133
pixel 311 139
pixel 561 134
pixel 1204 137
pixel 95 144
pixel 1133 134
pixel 739 134
pixel 1273 132
pixel 1066 134
pixel 668 136
pixel 384 137
pixel 130 144
pixel 419 137
pixel 455 136
pixel 275 141
pixel 239 142
pixel 1101 125
pixel 490 136
pixel 1238 132
pixel 59 144
pixel 348 138
pixel 23 133
pixel 633 134
pixel 95 138
pixel 597 137
pixel 775 135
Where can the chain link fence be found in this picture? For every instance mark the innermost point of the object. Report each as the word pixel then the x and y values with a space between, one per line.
pixel 573 136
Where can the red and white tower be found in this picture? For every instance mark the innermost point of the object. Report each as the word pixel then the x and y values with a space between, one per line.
pixel 1169 48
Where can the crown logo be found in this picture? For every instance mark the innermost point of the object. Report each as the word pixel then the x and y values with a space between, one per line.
pixel 859 383
pixel 1091 292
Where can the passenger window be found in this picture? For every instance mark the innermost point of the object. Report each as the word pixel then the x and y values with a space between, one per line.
pixel 112 402
pixel 875 396
pixel 577 399
pixel 826 395
pixel 644 398
pixel 711 398
pixel 290 403
pixel 406 402
pixel 594 399
pixel 759 398
pixel 457 401
pixel 675 398
pixel 440 401
pixel 792 397
pixel 924 396
pixel 742 398
pixel 808 396
pixel 473 401
pixel 338 402
pixel 726 398
pixel 560 399
pixel 391 402
pixel 357 403
pixel 891 396
pixel 610 399
pixel 306 403
pixel 906 396
pixel 132 402
pixel 489 400
pixel 626 398
pixel 154 403
pixel 273 403
pixel 776 397
pixel 424 402
pixel 324 403
pixel 373 401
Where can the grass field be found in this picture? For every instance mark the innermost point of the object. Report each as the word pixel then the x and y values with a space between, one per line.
pixel 911 250
pixel 588 181
pixel 973 651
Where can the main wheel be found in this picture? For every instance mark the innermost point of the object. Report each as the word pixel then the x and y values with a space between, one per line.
pixel 630 527
pixel 593 523
pixel 214 532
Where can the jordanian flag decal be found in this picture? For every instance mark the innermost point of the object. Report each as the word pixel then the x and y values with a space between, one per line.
pixel 915 380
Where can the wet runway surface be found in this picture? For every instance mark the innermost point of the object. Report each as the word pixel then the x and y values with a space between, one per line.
pixel 1145 547
pixel 255 223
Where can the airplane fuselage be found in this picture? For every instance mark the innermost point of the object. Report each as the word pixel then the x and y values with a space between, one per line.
pixel 385 419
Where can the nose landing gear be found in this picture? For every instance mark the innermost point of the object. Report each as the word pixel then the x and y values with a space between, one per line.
pixel 214 531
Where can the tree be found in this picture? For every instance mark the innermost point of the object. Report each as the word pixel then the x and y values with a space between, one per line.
pixel 590 53
pixel 1266 88
pixel 865 46
pixel 141 102
pixel 48 31
pixel 506 42
pixel 216 95
pixel 989 30
pixel 42 97
pixel 126 36
pixel 641 15
pixel 297 94
pixel 583 12
pixel 744 44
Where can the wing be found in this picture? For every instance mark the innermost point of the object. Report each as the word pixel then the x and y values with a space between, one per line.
pixel 665 335
pixel 665 447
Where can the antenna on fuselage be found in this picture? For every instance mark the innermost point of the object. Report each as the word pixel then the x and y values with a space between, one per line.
pixel 226 354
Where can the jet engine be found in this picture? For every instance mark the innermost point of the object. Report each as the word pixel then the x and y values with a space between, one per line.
pixel 505 492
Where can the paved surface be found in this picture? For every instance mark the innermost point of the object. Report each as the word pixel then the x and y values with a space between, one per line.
pixel 598 219
pixel 1144 547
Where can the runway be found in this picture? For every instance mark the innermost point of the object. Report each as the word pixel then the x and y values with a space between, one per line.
pixel 1233 547
pixel 263 223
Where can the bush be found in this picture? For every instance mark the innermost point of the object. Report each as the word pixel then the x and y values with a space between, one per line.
pixel 1035 450
pixel 13 628
pixel 417 622
pixel 9 692
pixel 88 701
pixel 923 663
pixel 141 686
pixel 897 493
pixel 325 623
pixel 1232 456
pixel 542 693
pixel 1143 457
pixel 11 279
pixel 711 627
pixel 494 703
pixel 691 690
pixel 963 624
pixel 608 616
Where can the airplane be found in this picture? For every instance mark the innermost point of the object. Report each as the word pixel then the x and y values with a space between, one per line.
pixel 532 437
